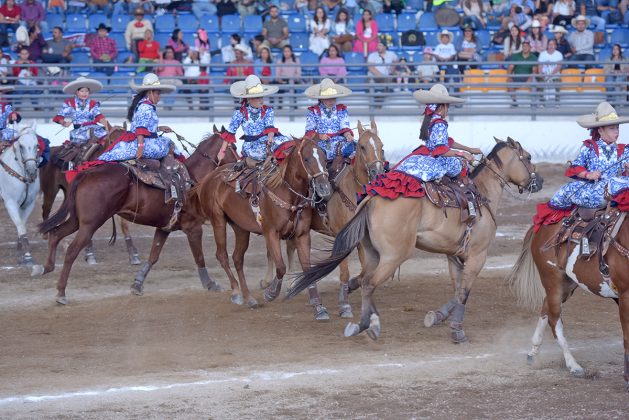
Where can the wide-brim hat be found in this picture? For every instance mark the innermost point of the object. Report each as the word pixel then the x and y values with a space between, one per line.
pixel 604 115
pixel 559 28
pixel 438 94
pixel 103 26
pixel 574 21
pixel 327 89
pixel 83 82
pixel 251 87
pixel 6 88
pixel 241 48
pixel 151 82
pixel 536 24
pixel 447 33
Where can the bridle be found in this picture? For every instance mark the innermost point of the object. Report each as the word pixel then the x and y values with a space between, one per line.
pixel 504 184
pixel 12 172
pixel 375 165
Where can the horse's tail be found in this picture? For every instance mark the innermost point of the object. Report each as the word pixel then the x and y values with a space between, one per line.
pixel 524 280
pixel 67 208
pixel 345 242
pixel 114 234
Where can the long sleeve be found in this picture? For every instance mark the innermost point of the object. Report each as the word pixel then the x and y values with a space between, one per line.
pixel 65 112
pixel 311 123
pixel 235 122
pixel 343 119
pixel 145 120
pixel 580 164
pixel 269 121
pixel 95 113
pixel 438 140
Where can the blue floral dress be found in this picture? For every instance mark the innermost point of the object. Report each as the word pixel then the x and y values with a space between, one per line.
pixel 84 115
pixel 7 133
pixel 594 156
pixel 144 122
pixel 256 123
pixel 333 122
pixel 427 162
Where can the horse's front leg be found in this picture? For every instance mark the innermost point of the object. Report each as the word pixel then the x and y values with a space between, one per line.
pixel 436 317
pixel 159 239
pixel 268 276
pixel 15 215
pixel 195 241
pixel 302 243
pixel 274 250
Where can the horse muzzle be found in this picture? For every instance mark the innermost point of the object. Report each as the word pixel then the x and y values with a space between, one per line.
pixel 322 187
pixel 30 167
pixel 536 183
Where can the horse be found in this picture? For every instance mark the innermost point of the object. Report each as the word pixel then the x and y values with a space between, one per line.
pixel 19 186
pixel 100 192
pixel 550 276
pixel 367 165
pixel 53 179
pixel 390 230
pixel 284 206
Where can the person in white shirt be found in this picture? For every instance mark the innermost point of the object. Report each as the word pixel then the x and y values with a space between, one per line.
pixel 381 64
pixel 446 51
pixel 549 70
pixel 227 52
pixel 320 27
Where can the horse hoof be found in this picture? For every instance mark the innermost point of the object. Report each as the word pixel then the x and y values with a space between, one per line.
pixel 135 260
pixel 90 259
pixel 530 359
pixel 264 283
pixel 37 270
pixel 252 303
pixel 62 300
pixel 214 287
pixel 269 295
pixel 627 386
pixel 430 319
pixel 459 337
pixel 578 373
pixel 321 313
pixel 346 312
pixel 237 299
pixel 351 330
pixel 373 332
pixel 137 289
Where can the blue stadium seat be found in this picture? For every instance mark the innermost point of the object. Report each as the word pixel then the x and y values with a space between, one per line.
pixel 484 38
pixel 428 23
pixel 162 38
pixel 164 23
pixel 309 64
pixel 119 22
pixel 299 41
pixel 120 41
pixel 214 39
pixel 217 70
pixel 297 23
pixel 55 20
pixel 352 59
pixel 406 22
pixel 386 22
pixel 75 23
pixel 252 24
pixel 230 24
pixel 600 44
pixel 189 39
pixel 415 5
pixel 209 23
pixel 123 56
pixel 81 57
pixel 620 36
pixel 605 54
pixel 187 23
pixel 96 19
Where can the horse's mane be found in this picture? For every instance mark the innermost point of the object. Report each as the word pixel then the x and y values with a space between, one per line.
pixel 277 177
pixel 493 156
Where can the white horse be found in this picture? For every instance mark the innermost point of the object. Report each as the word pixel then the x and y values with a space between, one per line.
pixel 19 185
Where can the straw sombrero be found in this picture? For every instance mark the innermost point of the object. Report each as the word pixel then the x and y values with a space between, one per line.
pixel 327 89
pixel 438 94
pixel 446 32
pixel 580 18
pixel 559 28
pixel 251 87
pixel 151 82
pixel 605 115
pixel 83 82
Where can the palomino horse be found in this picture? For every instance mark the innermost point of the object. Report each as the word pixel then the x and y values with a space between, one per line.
pixel 285 205
pixel 368 164
pixel 19 186
pixel 99 193
pixel 390 230
pixel 550 276
pixel 53 179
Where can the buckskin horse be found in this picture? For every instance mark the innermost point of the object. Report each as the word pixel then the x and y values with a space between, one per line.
pixel 367 165
pixel 285 209
pixel 100 192
pixel 390 230
pixel 550 274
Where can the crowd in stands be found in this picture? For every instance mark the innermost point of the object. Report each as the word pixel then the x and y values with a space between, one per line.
pixel 397 41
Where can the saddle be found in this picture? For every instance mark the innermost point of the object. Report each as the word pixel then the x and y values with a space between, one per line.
pixel 244 180
pixel 456 193
pixel 71 155
pixel 168 174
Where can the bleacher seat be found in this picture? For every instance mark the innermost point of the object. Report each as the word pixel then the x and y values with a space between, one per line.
pixel 209 23
pixel 162 38
pixel 189 39
pixel 96 19
pixel 604 54
pixel 299 41
pixel 188 23
pixel 230 24
pixel 55 20
pixel 571 80
pixel 252 24
pixel 498 78
pixel 119 22
pixel 353 61
pixel 415 5
pixel 593 80
pixel 472 81
pixel 620 36
pixel 214 39
pixel 217 70
pixel 120 41
pixel 386 22
pixel 309 64
pixel 81 57
pixel 406 22
pixel 484 38
pixel 427 22
pixel 297 23
pixel 164 23
pixel 224 39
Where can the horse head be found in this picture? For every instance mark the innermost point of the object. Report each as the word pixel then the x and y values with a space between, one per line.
pixel 515 165
pixel 312 165
pixel 27 151
pixel 369 153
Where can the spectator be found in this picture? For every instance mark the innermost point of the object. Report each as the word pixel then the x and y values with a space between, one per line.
pixel 498 9
pixel 563 10
pixel 178 45
pixel 366 34
pixel 446 51
pixel 227 52
pixel 393 6
pixel 543 10
pixel 275 29
pixel 404 73
pixel 563 46
pixel 536 38
pixel 351 6
pixel 33 13
pixel 103 49
pixel 468 48
pixel 331 7
pixel 261 68
pixel 124 7
pixel 332 65
pixel 171 68
pixel 502 33
pixel 148 51
pixel 301 6
pixel 474 14
pixel 136 29
pixel 320 27
pixel 10 19
pixel 513 43
pixel 381 64
pixel 26 75
pixel 589 9
pixel 374 6
pixel 582 40
pixel 255 44
pixel 5 60
pixel 77 6
pixel 612 11
pixel 522 72
pixel 240 67
pixel 519 18
pixel 616 75
pixel 549 70
pixel 202 45
pixel 194 75
pixel 343 31
pixel 56 6
pixel 247 7
pixel 225 7
pixel 36 44
pixel 428 70
pixel 95 5
pixel 287 71
pixel 203 7
pixel 58 50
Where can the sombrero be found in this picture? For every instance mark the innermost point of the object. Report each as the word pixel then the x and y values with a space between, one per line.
pixel 241 48
pixel 447 33
pixel 580 18
pixel 438 94
pixel 83 82
pixel 605 115
pixel 327 89
pixel 251 87
pixel 559 28
pixel 6 88
pixel 151 82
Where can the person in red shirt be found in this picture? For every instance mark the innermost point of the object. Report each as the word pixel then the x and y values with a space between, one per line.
pixel 148 51
pixel 103 49
pixel 239 68
pixel 10 14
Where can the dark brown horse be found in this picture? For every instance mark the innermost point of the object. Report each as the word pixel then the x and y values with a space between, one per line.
pixel 101 192
pixel 550 276
pixel 285 206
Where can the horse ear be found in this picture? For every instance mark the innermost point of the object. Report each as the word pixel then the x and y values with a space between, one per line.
pixel 124 125
pixel 510 141
pixel 374 127
pixel 222 129
pixel 214 129
pixel 108 126
pixel 498 140
pixel 34 126
pixel 361 129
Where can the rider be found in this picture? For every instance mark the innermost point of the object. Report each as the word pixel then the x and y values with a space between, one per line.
pixel 256 119
pixel 600 162
pixel 438 156
pixel 330 120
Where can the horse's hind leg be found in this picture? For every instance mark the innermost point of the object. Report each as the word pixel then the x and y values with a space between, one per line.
pixel 159 239
pixel 345 309
pixel 195 241
pixel 623 308
pixel 134 255
pixel 90 257
pixel 270 268
pixel 81 239
pixel 54 237
pixel 238 256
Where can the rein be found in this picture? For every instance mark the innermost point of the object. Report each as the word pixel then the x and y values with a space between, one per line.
pixel 11 171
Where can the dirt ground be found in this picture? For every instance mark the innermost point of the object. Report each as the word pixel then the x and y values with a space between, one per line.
pixel 182 352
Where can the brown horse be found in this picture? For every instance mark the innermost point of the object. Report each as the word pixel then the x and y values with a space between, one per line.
pixel 368 164
pixel 101 192
pixel 390 230
pixel 550 276
pixel 285 205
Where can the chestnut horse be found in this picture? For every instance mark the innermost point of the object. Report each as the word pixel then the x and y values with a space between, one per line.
pixel 368 164
pixel 390 230
pixel 101 192
pixel 285 205
pixel 551 276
